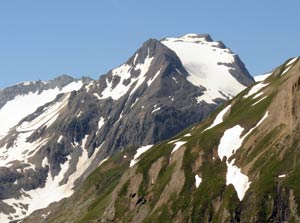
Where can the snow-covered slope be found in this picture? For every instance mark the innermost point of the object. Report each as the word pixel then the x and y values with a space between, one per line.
pixel 26 109
pixel 209 64
pixel 24 104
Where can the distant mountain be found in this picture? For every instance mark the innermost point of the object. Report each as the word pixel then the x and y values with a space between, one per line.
pixel 239 165
pixel 18 101
pixel 68 127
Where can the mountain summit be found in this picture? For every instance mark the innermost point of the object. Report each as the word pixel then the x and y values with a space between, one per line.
pixel 162 89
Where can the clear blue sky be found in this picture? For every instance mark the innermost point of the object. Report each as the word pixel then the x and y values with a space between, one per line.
pixel 43 39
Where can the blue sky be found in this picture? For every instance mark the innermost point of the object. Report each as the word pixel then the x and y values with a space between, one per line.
pixel 44 39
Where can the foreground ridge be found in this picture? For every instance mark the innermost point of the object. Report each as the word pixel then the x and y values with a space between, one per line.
pixel 239 165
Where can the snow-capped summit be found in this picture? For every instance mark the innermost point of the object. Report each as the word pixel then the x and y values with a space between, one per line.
pixel 211 65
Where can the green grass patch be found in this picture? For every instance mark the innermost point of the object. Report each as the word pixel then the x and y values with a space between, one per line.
pixel 147 159
pixel 164 178
pixel 160 215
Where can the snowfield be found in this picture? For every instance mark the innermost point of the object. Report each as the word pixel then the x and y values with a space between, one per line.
pixel 27 104
pixel 53 190
pixel 205 62
pixel 230 142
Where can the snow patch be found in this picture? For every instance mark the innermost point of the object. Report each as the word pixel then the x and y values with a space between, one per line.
pixel 286 70
pixel 259 100
pixel 219 119
pixel 101 123
pixel 291 61
pixel 124 73
pixel 46 215
pixel 155 110
pixel 79 114
pixel 178 145
pixel 139 152
pixel 261 120
pixel 103 161
pixel 60 139
pixel 175 80
pixel 258 95
pixel 235 177
pixel 135 57
pixel 230 142
pixel 26 83
pixel 136 100
pixel 45 162
pixel 187 135
pixel 89 86
pixel 172 141
pixel 149 82
pixel 97 96
pixel 282 176
pixel 262 77
pixel 198 181
pixel 207 97
pixel 256 88
pixel 289 65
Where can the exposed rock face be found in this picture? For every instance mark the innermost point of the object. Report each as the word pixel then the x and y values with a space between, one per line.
pixel 148 99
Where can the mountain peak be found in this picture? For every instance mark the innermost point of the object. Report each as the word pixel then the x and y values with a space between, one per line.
pixel 150 48
pixel 151 97
pixel 207 62
pixel 64 77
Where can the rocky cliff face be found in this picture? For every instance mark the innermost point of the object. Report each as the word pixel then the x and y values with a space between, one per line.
pixel 162 89
pixel 239 165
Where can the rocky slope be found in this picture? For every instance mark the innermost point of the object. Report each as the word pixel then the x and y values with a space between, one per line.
pixel 239 165
pixel 163 88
